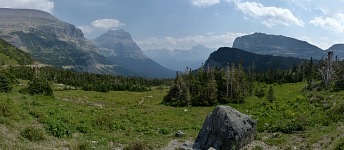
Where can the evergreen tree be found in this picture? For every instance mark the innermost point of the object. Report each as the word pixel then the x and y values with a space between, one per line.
pixel 271 96
pixel 6 81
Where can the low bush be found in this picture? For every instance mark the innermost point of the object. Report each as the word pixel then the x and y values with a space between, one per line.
pixel 33 133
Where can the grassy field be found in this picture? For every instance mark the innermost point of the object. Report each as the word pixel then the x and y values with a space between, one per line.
pixel 92 120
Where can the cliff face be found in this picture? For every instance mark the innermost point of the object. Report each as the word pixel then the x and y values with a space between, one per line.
pixel 277 45
pixel 118 43
pixel 119 48
pixel 50 40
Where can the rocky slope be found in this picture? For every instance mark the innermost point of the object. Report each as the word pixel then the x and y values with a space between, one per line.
pixel 180 59
pixel 277 45
pixel 119 48
pixel 50 40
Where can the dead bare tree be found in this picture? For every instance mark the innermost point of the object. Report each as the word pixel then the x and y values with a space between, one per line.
pixel 327 71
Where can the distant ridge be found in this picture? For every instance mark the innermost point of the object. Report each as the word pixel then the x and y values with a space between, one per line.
pixel 277 45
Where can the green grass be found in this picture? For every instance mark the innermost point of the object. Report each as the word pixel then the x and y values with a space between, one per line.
pixel 84 119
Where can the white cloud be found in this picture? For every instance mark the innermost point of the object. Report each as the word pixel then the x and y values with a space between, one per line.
pixel 204 3
pixel 44 5
pixel 101 24
pixel 210 40
pixel 333 23
pixel 270 16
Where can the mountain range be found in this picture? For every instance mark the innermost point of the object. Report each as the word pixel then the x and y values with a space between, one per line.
pixel 180 59
pixel 60 44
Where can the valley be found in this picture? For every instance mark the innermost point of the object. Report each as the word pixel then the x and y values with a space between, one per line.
pixel 122 91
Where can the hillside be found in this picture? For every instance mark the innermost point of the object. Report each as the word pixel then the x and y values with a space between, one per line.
pixel 338 50
pixel 180 59
pixel 119 48
pixel 10 55
pixel 278 45
pixel 225 55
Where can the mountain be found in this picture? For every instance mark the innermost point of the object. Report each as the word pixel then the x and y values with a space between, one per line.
pixel 225 55
pixel 119 48
pixel 277 45
pixel 338 50
pixel 10 55
pixel 50 40
pixel 180 59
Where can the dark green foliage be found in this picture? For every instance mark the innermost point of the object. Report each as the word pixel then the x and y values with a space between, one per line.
pixel 6 81
pixel 39 85
pixel 259 92
pixel 271 96
pixel 210 87
pixel 58 129
pixel 90 81
pixel 18 55
pixel 33 133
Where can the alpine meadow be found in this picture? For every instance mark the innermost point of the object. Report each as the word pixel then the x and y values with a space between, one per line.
pixel 190 75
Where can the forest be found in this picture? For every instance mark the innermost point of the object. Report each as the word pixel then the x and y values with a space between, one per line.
pixel 232 84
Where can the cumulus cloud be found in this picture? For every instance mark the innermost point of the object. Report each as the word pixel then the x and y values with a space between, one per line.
pixel 210 40
pixel 204 3
pixel 101 24
pixel 44 5
pixel 333 23
pixel 269 16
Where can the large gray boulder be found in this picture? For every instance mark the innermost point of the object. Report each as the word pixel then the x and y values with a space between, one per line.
pixel 225 129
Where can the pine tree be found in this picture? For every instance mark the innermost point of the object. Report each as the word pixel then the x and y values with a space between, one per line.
pixel 271 96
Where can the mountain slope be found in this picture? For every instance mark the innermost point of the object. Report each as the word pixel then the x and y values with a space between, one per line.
pixel 338 50
pixel 277 45
pixel 180 59
pixel 119 48
pixel 10 55
pixel 50 40
pixel 225 55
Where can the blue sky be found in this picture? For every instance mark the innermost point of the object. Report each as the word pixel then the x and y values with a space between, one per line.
pixel 181 24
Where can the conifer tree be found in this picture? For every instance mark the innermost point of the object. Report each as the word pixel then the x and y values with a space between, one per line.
pixel 271 96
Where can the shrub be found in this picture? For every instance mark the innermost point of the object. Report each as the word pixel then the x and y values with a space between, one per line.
pixel 136 145
pixel 33 133
pixel 58 129
pixel 6 81
pixel 340 145
pixel 39 86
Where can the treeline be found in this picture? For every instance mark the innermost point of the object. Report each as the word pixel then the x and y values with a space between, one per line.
pixel 211 86
pixel 88 81
pixel 306 70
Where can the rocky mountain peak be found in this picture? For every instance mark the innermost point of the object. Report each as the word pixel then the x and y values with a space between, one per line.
pixel 118 35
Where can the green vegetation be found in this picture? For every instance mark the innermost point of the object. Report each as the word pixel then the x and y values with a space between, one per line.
pixel 10 55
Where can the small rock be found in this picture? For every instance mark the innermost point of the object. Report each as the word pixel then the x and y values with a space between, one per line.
pixel 180 134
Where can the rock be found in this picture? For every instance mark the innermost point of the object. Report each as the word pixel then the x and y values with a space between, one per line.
pixel 226 129
pixel 180 134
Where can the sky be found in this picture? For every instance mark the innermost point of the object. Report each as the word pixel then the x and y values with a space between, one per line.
pixel 181 24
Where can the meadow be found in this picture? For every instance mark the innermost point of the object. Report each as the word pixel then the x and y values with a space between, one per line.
pixel 78 119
